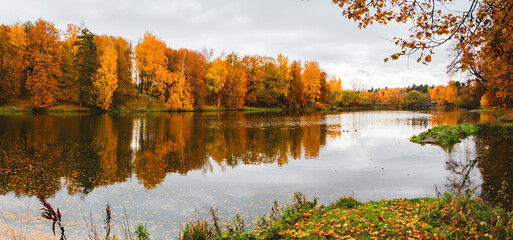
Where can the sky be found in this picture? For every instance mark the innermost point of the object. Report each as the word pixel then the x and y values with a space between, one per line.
pixel 301 30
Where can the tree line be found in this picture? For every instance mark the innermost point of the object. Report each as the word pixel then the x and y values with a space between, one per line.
pixel 48 66
pixel 453 94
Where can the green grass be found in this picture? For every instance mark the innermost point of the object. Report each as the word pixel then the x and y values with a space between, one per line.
pixel 446 135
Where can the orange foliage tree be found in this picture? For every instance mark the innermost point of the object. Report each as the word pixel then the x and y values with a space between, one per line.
pixel 497 68
pixel 252 65
pixel 444 95
pixel 234 89
pixel 296 97
pixel 312 81
pixel 13 49
pixel 150 59
pixel 152 62
pixel 44 53
pixel 194 65
pixel 68 83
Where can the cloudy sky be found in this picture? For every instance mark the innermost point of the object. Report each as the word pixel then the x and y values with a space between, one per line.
pixel 304 30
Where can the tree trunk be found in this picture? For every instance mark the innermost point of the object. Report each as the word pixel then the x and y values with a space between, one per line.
pixel 149 103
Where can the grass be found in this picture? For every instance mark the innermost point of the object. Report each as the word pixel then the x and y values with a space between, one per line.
pixel 260 109
pixel 207 108
pixel 140 104
pixel 445 135
pixel 448 217
pixel 17 106
pixel 67 108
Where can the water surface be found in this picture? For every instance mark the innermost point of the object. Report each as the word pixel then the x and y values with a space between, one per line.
pixel 166 168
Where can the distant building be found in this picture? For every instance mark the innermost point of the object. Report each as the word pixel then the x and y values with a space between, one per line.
pixel 430 103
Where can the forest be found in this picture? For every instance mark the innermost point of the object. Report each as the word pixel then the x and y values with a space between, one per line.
pixel 45 66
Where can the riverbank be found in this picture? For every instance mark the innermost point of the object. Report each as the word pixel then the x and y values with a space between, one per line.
pixel 140 105
pixel 447 217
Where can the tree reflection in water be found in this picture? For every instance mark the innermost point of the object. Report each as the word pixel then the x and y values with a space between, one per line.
pixel 496 167
pixel 487 156
pixel 460 164
pixel 39 154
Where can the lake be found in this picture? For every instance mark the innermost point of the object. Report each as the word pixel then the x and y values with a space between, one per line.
pixel 166 168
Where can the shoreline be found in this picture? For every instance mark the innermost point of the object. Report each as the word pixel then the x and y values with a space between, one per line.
pixel 448 216
pixel 158 107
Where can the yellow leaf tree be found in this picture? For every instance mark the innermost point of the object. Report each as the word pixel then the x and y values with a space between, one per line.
pixel 105 81
pixel 215 78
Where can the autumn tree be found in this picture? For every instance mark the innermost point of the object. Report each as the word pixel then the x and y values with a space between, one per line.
pixel 335 90
pixel 234 89
pixel 44 54
pixel 451 93
pixel 296 97
pixel 13 61
pixel 481 34
pixel 312 81
pixel 414 99
pixel 325 91
pixel 152 63
pixel 194 64
pixel 68 84
pixel 282 86
pixel 274 81
pixel 4 70
pixel 497 68
pixel 215 78
pixel 252 69
pixel 437 94
pixel 126 89
pixel 105 80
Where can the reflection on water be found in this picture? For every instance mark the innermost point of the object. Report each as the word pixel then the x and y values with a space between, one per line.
pixel 496 168
pixel 163 166
pixel 461 164
pixel 92 151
